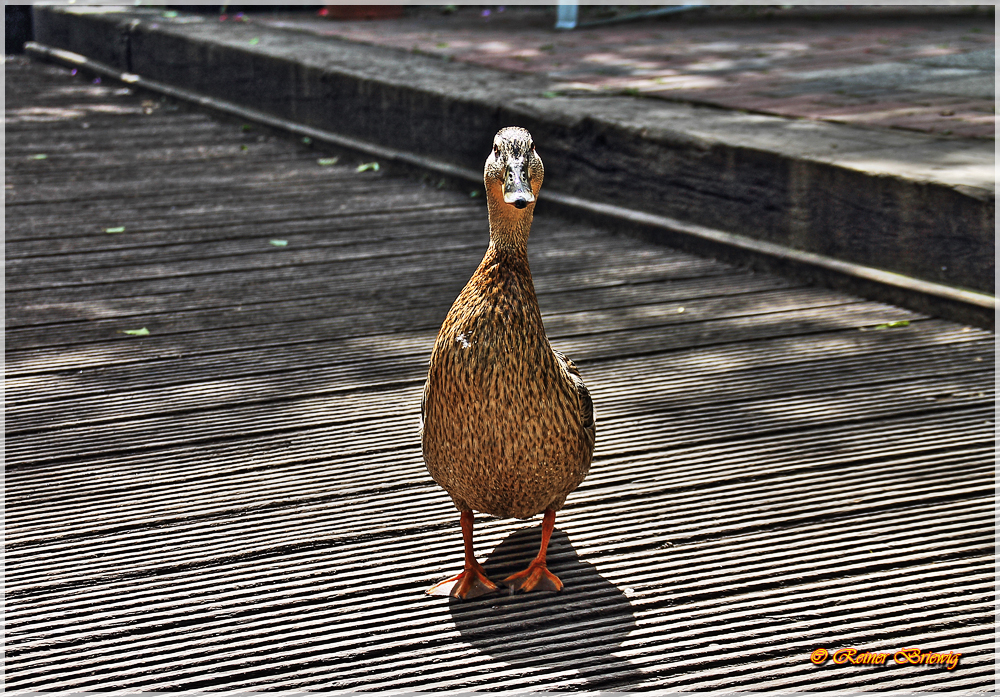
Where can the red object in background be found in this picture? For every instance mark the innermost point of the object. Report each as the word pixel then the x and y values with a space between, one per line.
pixel 362 11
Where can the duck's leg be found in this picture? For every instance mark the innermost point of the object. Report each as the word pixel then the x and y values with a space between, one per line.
pixel 472 582
pixel 537 577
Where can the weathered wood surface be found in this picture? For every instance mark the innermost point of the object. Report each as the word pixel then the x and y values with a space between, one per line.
pixel 238 500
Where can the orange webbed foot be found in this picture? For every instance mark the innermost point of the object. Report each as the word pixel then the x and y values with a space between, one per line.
pixel 471 583
pixel 536 577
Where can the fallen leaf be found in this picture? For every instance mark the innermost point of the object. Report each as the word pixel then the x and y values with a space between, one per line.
pixel 279 243
pixel 473 194
pixel 135 332
pixel 550 95
pixel 368 166
pixel 307 140
pixel 246 127
pixel 327 161
pixel 893 325
pixel 39 156
pixel 170 14
pixel 115 229
pixel 244 148
pixel 254 41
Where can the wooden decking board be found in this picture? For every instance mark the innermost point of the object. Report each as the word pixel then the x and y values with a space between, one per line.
pixel 612 317
pixel 237 501
pixel 150 607
pixel 116 493
pixel 275 411
pixel 276 266
pixel 959 391
pixel 254 253
pixel 181 188
pixel 265 490
pixel 205 594
pixel 187 197
pixel 676 333
pixel 152 155
pixel 329 520
pixel 645 572
pixel 241 608
pixel 141 503
pixel 85 211
pixel 829 559
pixel 350 373
pixel 157 492
pixel 241 240
pixel 36 312
pixel 289 166
pixel 932 339
pixel 158 612
pixel 247 597
pixel 204 232
pixel 161 393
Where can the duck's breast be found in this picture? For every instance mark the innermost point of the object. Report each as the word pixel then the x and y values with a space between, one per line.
pixel 502 427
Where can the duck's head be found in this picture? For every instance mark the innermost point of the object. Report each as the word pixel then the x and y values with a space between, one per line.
pixel 514 172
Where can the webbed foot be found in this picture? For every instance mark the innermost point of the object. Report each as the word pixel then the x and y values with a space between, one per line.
pixel 471 583
pixel 536 577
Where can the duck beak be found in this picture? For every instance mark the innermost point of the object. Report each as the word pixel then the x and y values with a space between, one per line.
pixel 516 189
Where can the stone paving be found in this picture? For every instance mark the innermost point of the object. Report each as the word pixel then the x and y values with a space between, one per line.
pixel 923 69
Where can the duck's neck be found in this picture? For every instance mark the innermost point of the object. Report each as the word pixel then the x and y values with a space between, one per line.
pixel 509 227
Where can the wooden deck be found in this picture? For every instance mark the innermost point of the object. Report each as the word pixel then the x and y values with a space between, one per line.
pixel 238 501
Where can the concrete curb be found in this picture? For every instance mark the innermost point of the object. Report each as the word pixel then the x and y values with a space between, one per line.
pixel 661 160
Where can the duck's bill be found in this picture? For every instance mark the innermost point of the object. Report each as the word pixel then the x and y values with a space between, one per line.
pixel 516 190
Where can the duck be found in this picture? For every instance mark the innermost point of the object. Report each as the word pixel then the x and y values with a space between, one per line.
pixel 507 423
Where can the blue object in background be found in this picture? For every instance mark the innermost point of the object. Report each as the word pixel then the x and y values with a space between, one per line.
pixel 566 17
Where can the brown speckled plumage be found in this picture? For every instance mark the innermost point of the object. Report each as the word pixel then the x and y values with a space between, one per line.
pixel 508 425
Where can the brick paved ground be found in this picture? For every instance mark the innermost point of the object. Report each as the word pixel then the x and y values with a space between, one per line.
pixel 927 69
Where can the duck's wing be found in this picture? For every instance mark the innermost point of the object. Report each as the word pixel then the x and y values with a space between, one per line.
pixel 587 415
pixel 423 405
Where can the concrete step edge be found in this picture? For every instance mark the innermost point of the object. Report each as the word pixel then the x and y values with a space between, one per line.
pixel 934 298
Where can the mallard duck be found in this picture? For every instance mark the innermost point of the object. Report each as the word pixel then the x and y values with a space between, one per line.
pixel 507 424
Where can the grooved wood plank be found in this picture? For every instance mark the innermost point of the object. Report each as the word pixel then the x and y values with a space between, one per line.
pixel 238 502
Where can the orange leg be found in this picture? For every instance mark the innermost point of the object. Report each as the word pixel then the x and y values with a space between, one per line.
pixel 472 582
pixel 537 577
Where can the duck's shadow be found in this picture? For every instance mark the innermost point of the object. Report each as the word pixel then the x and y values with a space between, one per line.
pixel 572 634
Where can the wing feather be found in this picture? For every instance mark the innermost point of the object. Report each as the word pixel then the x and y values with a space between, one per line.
pixel 587 415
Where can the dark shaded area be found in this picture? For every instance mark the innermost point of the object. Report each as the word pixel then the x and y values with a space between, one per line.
pixel 17 26
pixel 589 618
